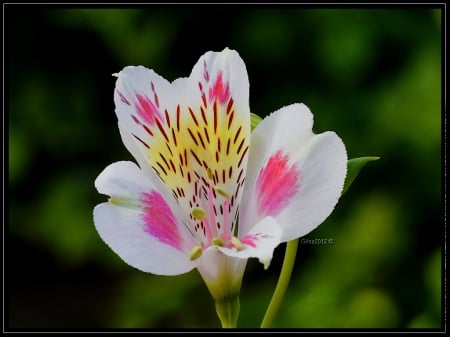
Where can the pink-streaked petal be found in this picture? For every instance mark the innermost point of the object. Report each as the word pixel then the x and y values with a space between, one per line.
pixel 260 242
pixel 156 216
pixel 124 231
pixel 193 133
pixel 216 132
pixel 294 175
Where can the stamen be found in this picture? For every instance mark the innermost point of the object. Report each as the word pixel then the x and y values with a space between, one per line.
pixel 218 242
pixel 125 202
pixel 210 173
pixel 115 74
pixel 195 253
pixel 222 192
pixel 198 213
pixel 237 243
pixel 266 265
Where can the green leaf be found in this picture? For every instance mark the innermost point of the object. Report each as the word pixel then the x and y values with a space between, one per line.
pixel 254 121
pixel 353 167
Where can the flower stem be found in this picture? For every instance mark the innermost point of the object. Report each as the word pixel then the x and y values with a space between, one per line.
pixel 228 311
pixel 283 282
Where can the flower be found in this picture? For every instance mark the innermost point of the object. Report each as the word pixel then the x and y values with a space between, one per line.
pixel 208 193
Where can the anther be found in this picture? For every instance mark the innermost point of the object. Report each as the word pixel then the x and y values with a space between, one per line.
pixel 222 192
pixel 195 253
pixel 124 202
pixel 218 242
pixel 237 243
pixel 210 173
pixel 198 213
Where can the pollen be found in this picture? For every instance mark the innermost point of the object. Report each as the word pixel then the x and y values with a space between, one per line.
pixel 237 243
pixel 195 253
pixel 198 213
pixel 218 242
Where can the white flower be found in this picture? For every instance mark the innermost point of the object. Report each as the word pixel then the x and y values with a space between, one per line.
pixel 207 193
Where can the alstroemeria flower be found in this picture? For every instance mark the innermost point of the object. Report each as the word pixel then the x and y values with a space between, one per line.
pixel 207 193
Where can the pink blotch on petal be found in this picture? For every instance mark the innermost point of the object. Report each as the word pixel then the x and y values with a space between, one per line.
pixel 159 220
pixel 277 184
pixel 219 90
pixel 147 110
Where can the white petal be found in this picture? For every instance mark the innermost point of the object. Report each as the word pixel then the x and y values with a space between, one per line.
pixel 260 242
pixel 180 84
pixel 123 179
pixel 293 174
pixel 139 224
pixel 122 230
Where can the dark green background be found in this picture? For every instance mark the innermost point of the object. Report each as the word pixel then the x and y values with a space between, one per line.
pixel 373 75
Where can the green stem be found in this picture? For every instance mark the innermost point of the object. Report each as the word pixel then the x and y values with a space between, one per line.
pixel 283 282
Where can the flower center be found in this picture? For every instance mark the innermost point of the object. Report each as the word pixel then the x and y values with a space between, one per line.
pixel 214 232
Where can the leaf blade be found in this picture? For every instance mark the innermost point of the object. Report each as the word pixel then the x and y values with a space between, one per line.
pixel 354 166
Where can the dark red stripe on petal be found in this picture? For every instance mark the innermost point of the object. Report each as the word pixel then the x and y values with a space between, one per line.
pixel 178 117
pixel 174 138
pixel 242 156
pixel 240 146
pixel 192 136
pixel 203 115
pixel 162 168
pixel 147 129
pixel 230 119
pixel 230 105
pixel 167 118
pixel 201 139
pixel 122 98
pixel 206 134
pixel 215 117
pixel 196 158
pixel 237 134
pixel 135 119
pixel 144 143
pixel 161 128
pixel 193 116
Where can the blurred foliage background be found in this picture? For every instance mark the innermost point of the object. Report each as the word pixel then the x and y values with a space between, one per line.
pixel 373 75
